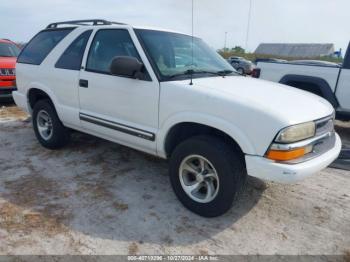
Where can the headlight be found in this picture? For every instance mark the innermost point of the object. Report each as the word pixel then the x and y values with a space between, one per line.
pixel 297 133
pixel 281 151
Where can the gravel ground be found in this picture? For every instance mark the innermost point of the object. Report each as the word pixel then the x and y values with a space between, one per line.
pixel 95 197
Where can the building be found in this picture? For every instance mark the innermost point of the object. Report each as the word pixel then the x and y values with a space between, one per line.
pixel 295 50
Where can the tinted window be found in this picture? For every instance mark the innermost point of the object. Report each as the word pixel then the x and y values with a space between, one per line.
pixel 8 50
pixel 107 45
pixel 41 45
pixel 72 57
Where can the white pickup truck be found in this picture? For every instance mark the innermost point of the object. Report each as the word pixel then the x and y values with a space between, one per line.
pixel 142 88
pixel 328 80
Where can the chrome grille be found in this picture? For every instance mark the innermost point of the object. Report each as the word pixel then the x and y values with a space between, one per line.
pixel 7 72
pixel 324 125
pixel 320 147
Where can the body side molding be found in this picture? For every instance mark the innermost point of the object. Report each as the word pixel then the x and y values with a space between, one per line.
pixel 118 127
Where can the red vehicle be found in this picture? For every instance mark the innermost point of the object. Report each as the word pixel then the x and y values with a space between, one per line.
pixel 8 55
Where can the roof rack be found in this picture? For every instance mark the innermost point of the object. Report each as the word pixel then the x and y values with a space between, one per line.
pixel 84 22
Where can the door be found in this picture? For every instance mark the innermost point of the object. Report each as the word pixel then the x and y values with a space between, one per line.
pixel 64 77
pixel 343 87
pixel 121 109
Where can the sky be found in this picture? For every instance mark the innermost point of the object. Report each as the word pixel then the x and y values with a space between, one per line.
pixel 272 21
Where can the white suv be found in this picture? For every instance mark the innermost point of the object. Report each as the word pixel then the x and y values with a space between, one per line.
pixel 170 95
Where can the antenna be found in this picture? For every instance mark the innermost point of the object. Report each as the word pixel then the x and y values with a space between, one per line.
pixel 191 71
pixel 248 25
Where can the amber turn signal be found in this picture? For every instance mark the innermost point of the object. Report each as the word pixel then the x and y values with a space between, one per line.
pixel 286 155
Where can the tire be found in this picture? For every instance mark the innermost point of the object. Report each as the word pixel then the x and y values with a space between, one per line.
pixel 59 135
pixel 228 164
pixel 240 71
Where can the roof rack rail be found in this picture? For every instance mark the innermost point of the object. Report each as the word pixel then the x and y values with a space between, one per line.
pixel 83 22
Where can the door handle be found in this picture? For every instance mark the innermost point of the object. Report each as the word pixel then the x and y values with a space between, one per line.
pixel 83 83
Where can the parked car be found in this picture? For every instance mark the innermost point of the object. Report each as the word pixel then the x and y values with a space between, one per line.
pixel 242 65
pixel 131 86
pixel 8 55
pixel 325 79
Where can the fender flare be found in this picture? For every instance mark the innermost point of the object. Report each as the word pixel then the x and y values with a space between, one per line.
pixel 323 86
pixel 191 117
pixel 46 90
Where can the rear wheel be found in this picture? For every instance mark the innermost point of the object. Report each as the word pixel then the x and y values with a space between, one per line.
pixel 48 128
pixel 207 174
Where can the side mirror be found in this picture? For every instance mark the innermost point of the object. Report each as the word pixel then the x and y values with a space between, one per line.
pixel 126 66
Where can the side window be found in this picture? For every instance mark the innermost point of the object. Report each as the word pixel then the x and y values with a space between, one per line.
pixel 107 44
pixel 72 57
pixel 41 45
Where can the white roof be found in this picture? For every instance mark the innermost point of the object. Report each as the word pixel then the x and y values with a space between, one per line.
pixel 101 23
pixel 125 26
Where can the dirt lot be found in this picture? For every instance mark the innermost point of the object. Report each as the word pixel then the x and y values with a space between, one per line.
pixel 95 197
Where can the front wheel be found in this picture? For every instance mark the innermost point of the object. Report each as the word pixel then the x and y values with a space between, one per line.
pixel 48 128
pixel 240 71
pixel 206 174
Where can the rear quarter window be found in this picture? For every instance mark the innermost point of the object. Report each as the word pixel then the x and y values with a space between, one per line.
pixel 72 57
pixel 41 45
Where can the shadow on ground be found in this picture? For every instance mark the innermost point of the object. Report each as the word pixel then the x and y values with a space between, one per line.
pixel 7 102
pixel 343 161
pixel 100 189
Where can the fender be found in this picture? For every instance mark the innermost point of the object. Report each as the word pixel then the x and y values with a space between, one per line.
pixel 323 86
pixel 69 115
pixel 198 118
pixel 36 85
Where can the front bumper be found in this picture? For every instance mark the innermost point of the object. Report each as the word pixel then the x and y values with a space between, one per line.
pixel 7 86
pixel 266 169
pixel 6 92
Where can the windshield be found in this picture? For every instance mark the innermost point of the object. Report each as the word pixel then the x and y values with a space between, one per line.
pixel 8 50
pixel 171 54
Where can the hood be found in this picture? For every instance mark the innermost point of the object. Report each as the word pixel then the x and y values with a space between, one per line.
pixel 8 62
pixel 290 105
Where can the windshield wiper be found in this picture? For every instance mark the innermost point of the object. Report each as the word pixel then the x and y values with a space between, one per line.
pixel 225 72
pixel 192 72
